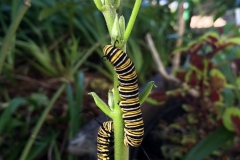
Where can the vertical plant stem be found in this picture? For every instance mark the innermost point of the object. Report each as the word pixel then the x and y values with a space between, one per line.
pixel 121 152
pixel 132 20
pixel 40 122
pixel 11 31
pixel 98 4
pixel 116 4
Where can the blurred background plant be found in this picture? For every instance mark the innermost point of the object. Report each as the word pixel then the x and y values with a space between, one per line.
pixel 209 90
pixel 55 58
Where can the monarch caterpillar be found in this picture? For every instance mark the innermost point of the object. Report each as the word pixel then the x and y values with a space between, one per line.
pixel 105 141
pixel 129 94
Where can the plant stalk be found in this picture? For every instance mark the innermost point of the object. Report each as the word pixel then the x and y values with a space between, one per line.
pixel 11 31
pixel 132 20
pixel 180 32
pixel 40 122
pixel 121 152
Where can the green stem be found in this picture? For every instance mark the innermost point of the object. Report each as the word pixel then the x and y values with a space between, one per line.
pixel 109 15
pixel 132 20
pixel 11 31
pixel 40 122
pixel 116 4
pixel 121 152
pixel 98 4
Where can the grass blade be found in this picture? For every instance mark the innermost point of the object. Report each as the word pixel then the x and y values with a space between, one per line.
pixel 213 141
pixel 6 115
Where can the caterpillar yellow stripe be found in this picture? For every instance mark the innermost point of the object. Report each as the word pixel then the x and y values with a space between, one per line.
pixel 105 141
pixel 128 90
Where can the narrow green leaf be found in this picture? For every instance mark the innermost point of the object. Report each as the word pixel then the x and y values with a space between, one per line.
pixel 56 152
pixel 79 80
pixel 206 146
pixel 6 115
pixel 102 105
pixel 40 146
pixel 45 13
pixel 58 61
pixel 146 91
pixel 135 55
pixel 219 14
pixel 153 101
pixel 235 40
pixel 72 111
pixel 227 71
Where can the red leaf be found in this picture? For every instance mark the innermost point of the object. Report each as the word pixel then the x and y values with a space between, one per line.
pixel 197 61
pixel 215 96
pixel 194 48
pixel 212 41
pixel 236 123
pixel 159 96
pixel 193 79
pixel 181 74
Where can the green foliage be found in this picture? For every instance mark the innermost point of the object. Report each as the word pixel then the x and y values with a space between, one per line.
pixel 231 119
pixel 146 91
pixel 116 28
pixel 43 60
pixel 206 84
pixel 75 103
pixel 205 147
pixel 54 39
pixel 49 35
pixel 10 109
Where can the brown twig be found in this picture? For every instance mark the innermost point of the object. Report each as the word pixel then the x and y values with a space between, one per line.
pixel 31 80
pixel 181 27
pixel 157 59
pixel 161 68
pixel 60 39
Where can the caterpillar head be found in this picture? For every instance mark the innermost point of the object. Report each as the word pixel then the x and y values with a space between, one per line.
pixel 106 51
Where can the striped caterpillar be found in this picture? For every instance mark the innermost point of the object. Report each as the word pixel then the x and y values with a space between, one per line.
pixel 129 94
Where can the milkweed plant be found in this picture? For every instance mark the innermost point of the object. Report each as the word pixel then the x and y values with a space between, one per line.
pixel 119 34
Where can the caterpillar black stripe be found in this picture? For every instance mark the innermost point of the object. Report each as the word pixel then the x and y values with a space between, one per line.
pixel 105 141
pixel 128 90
